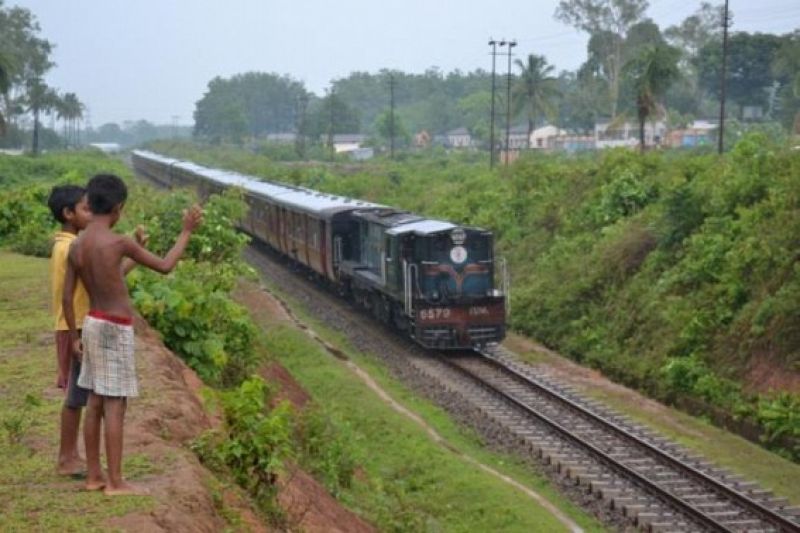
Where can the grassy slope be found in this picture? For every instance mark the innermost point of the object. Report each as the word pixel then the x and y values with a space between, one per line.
pixel 32 496
pixel 409 482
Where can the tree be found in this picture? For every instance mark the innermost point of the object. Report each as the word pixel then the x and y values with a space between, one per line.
pixel 651 73
pixel 254 103
pixel 535 91
pixel 786 68
pixel 611 20
pixel 749 74
pixel 700 29
pixel 23 50
pixel 5 85
pixel 39 98
pixel 383 127
pixel 475 109
pixel 69 110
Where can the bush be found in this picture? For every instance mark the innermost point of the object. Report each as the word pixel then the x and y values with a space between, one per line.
pixel 255 442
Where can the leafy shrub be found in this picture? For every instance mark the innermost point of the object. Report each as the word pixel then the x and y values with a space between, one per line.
pixel 324 449
pixel 255 443
pixel 198 321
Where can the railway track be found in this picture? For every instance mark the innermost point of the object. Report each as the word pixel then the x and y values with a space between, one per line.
pixel 650 480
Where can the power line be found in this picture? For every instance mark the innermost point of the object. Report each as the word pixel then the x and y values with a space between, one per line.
pixel 493 44
pixel 391 115
pixel 511 44
pixel 725 23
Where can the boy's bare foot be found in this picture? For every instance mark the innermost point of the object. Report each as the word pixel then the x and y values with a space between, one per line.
pixel 125 489
pixel 95 484
pixel 72 467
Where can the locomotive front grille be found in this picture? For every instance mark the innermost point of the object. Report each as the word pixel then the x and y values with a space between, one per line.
pixel 438 337
pixel 484 334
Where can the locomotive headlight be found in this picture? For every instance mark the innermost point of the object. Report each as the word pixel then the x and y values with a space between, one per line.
pixel 458 254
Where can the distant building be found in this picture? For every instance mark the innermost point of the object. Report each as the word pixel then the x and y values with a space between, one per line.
pixel 608 134
pixel 347 142
pixel 108 148
pixel 544 138
pixel 573 143
pixel 698 133
pixel 282 138
pixel 517 138
pixel 459 138
pixel 422 139
pixel 361 154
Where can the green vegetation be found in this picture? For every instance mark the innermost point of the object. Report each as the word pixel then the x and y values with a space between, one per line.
pixel 406 481
pixel 191 308
pixel 26 224
pixel 32 495
pixel 673 273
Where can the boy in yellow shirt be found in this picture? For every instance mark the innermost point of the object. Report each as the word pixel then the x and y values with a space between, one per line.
pixel 69 206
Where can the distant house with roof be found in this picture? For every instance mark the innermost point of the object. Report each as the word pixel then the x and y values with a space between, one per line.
pixel 517 137
pixel 422 139
pixel 459 138
pixel 348 142
pixel 544 138
pixel 614 134
pixel 698 133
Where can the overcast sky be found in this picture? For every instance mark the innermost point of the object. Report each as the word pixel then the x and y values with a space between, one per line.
pixel 153 59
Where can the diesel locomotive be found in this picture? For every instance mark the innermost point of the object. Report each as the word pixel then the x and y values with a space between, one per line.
pixel 431 279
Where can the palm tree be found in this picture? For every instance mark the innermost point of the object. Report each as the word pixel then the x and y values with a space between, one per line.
pixel 652 72
pixel 40 98
pixel 535 91
pixel 70 110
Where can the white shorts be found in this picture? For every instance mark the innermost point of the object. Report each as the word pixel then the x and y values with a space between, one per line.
pixel 108 367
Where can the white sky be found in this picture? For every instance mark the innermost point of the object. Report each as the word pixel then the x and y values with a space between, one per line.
pixel 152 59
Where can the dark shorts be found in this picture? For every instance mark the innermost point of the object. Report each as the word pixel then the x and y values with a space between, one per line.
pixel 76 396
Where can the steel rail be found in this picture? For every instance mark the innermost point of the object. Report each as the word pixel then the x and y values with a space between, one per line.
pixel 755 507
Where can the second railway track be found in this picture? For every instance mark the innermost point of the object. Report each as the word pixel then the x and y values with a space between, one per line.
pixel 652 480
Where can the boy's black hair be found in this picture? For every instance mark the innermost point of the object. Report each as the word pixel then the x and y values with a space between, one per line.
pixel 64 196
pixel 105 191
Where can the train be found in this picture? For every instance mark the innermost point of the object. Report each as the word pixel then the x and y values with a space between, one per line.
pixel 432 280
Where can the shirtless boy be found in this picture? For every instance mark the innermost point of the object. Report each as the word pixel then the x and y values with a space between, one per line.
pixel 106 343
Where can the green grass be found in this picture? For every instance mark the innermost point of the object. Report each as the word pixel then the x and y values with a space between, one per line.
pixel 408 482
pixel 32 495
pixel 719 446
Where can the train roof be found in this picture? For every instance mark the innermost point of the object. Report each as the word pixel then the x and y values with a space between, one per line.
pixel 298 198
pixel 422 227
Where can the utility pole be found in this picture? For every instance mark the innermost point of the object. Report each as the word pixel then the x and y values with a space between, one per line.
pixel 725 23
pixel 330 122
pixel 391 116
pixel 175 126
pixel 300 117
pixel 493 44
pixel 511 44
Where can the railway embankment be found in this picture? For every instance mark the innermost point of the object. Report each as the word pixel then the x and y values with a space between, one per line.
pixel 183 495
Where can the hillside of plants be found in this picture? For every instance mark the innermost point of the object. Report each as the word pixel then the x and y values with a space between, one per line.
pixel 676 273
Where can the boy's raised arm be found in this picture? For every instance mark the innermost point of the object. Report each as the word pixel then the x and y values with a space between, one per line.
pixel 191 219
pixel 70 282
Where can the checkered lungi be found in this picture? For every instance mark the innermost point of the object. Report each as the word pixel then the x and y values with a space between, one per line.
pixel 108 367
